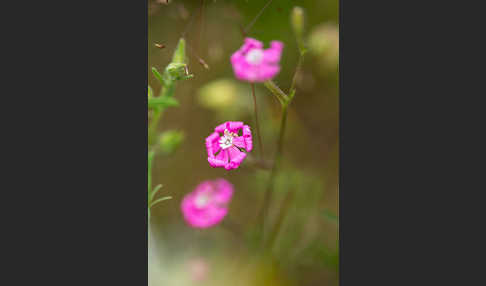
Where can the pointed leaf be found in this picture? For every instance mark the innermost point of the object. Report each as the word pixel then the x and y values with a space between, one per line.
pixel 180 52
pixel 162 102
pixel 160 200
pixel 157 75
pixel 154 192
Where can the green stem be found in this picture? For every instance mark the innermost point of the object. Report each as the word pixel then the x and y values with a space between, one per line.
pixel 247 29
pixel 260 145
pixel 269 192
pixel 297 70
pixel 154 122
pixel 280 218
pixel 279 94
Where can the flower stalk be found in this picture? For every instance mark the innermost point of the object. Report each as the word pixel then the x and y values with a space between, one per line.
pixel 297 22
pixel 276 163
pixel 257 124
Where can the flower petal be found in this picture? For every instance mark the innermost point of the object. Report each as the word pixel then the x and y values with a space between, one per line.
pixel 272 55
pixel 236 157
pixel 224 191
pixel 248 138
pixel 212 145
pixel 239 142
pixel 220 160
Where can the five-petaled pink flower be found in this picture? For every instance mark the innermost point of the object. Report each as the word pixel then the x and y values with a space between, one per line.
pixel 226 148
pixel 254 64
pixel 207 205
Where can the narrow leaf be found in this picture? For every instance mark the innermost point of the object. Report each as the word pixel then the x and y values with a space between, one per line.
pixel 157 75
pixel 180 52
pixel 160 200
pixel 154 192
pixel 162 102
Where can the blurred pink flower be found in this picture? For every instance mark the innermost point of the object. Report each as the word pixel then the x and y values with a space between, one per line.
pixel 198 269
pixel 227 149
pixel 207 204
pixel 254 64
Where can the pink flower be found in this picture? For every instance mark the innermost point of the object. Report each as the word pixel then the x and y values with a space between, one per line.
pixel 228 148
pixel 207 204
pixel 254 64
pixel 199 269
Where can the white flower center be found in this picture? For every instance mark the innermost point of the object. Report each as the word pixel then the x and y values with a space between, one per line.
pixel 202 200
pixel 254 56
pixel 226 140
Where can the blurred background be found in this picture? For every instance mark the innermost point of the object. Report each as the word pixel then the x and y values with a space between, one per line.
pixel 306 249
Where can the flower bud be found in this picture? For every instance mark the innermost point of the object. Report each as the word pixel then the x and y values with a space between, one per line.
pixel 170 140
pixel 297 21
pixel 177 71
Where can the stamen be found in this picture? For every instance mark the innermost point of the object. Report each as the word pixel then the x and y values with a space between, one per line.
pixel 202 200
pixel 254 56
pixel 226 140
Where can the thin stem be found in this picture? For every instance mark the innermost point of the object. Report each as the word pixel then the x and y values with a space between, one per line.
pixel 280 218
pixel 260 145
pixel 247 29
pixel 269 192
pixel 154 122
pixel 279 94
pixel 297 70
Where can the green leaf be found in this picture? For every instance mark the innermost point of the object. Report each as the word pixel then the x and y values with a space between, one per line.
pixel 170 140
pixel 160 200
pixel 154 192
pixel 177 71
pixel 180 52
pixel 279 94
pixel 292 94
pixel 157 75
pixel 162 102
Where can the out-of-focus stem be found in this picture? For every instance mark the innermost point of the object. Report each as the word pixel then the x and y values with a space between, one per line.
pixel 280 218
pixel 168 88
pixel 260 145
pixel 247 29
pixel 269 192
pixel 297 70
pixel 154 122
pixel 281 96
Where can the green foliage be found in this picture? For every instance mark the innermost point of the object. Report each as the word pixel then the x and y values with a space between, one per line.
pixel 279 94
pixel 150 92
pixel 162 102
pixel 170 140
pixel 175 71
pixel 157 75
pixel 180 52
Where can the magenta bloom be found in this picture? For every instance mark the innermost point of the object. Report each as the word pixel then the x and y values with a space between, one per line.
pixel 207 204
pixel 254 64
pixel 199 269
pixel 226 148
